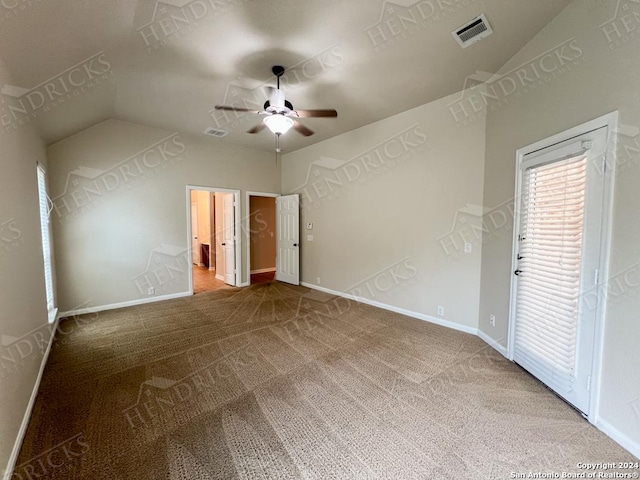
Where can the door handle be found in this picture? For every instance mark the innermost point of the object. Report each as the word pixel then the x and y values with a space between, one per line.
pixel 517 272
pixel 223 244
pixel 295 244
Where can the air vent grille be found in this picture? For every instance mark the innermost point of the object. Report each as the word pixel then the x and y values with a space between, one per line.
pixel 472 32
pixel 215 132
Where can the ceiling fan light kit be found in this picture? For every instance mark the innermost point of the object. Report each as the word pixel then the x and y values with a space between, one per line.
pixel 278 124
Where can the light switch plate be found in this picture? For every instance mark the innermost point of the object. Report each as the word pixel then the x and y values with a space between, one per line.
pixel 309 238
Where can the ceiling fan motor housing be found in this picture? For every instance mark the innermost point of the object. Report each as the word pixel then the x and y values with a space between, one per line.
pixel 287 104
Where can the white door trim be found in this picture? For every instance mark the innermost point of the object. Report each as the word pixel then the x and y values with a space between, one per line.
pixel 610 121
pixel 247 230
pixel 229 239
pixel 238 226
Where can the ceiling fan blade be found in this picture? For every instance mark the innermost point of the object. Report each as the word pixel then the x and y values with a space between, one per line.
pixel 235 109
pixel 316 113
pixel 302 129
pixel 258 128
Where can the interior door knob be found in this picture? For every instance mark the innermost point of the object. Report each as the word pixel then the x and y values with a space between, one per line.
pixel 295 244
pixel 223 244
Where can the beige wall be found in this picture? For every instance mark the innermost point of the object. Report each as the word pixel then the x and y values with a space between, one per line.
pixel 385 201
pixel 23 324
pixel 262 225
pixel 602 78
pixel 120 199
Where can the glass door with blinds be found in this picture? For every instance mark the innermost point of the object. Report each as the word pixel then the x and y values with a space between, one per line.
pixel 557 256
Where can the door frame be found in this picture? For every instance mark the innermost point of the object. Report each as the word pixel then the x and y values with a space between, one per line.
pixel 247 228
pixel 238 226
pixel 609 121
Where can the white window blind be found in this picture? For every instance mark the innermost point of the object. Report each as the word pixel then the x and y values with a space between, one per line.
pixel 550 256
pixel 45 227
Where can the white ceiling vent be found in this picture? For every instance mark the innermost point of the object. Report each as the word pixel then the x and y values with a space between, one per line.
pixel 216 133
pixel 472 32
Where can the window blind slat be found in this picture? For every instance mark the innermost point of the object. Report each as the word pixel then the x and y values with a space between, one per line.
pixel 534 314
pixel 541 368
pixel 554 307
pixel 548 351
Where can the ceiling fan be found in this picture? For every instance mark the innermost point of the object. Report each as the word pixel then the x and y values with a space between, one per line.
pixel 279 113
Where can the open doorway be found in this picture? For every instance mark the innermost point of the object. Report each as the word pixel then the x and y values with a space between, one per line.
pixel 212 236
pixel 262 236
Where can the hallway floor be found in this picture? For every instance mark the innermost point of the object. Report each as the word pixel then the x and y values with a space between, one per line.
pixel 204 280
pixel 262 277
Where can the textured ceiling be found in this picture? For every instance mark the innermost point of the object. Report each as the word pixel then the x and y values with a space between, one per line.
pixel 72 64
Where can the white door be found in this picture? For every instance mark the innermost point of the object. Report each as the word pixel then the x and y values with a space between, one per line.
pixel 195 244
pixel 288 224
pixel 557 257
pixel 229 238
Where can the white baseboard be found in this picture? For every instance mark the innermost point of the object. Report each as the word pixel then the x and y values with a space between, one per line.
pixel 263 270
pixel 13 458
pixel 492 343
pixel 219 277
pixel 391 308
pixel 131 303
pixel 620 438
pixel 245 284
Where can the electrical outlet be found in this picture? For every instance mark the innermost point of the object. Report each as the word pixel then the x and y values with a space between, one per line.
pixel 468 247
pixel 318 280
pixel 492 320
pixel 440 310
pixel 309 238
pixel 152 291
pixel 309 226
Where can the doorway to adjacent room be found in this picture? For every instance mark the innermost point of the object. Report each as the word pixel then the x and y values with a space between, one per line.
pixel 262 233
pixel 213 241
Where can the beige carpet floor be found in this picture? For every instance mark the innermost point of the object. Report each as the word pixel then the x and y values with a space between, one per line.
pixel 274 381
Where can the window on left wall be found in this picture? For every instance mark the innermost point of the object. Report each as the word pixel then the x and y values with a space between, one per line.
pixel 46 206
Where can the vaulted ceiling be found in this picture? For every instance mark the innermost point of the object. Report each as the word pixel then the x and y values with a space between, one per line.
pixel 167 63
